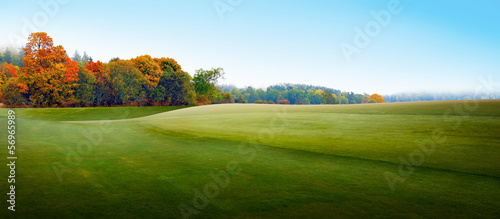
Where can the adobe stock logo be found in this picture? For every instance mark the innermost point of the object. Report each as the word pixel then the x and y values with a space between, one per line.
pixel 363 37
pixel 224 6
pixel 49 9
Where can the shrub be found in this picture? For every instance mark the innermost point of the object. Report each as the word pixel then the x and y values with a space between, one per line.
pixel 202 100
pixel 284 102
pixel 264 102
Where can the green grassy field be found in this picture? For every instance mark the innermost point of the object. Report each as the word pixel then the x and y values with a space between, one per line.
pixel 410 160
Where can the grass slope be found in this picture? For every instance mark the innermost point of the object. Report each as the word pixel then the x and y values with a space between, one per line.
pixel 90 113
pixel 293 161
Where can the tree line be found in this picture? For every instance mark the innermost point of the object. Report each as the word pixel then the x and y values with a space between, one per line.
pixel 43 75
pixel 298 94
pixel 409 97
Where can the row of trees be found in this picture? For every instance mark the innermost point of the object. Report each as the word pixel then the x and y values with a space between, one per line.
pixel 298 94
pixel 407 97
pixel 47 77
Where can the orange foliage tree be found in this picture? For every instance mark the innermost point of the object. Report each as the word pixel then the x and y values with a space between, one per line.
pixel 377 98
pixel 149 68
pixel 95 67
pixel 8 70
pixel 168 64
pixel 50 76
pixel 9 82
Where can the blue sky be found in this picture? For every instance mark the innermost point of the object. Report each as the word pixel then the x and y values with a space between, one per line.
pixel 427 46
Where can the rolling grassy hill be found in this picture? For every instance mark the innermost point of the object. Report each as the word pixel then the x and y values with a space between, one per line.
pixel 419 159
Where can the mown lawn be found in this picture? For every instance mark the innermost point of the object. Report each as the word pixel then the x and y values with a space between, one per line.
pixel 90 113
pixel 281 161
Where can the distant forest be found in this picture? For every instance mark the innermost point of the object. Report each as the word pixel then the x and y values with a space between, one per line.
pixel 306 94
pixel 408 97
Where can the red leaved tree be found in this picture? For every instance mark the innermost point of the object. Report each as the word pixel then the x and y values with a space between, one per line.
pixel 285 101
pixel 50 76
pixel 8 70
pixel 95 67
pixel 10 88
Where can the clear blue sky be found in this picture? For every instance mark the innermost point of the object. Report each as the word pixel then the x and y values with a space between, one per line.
pixel 428 46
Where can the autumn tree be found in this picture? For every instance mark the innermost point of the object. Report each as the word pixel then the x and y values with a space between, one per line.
pixel 149 68
pixel 95 67
pixel 168 64
pixel 50 76
pixel 377 98
pixel 104 93
pixel 127 82
pixel 175 87
pixel 12 92
pixel 8 71
pixel 285 101
pixel 203 100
